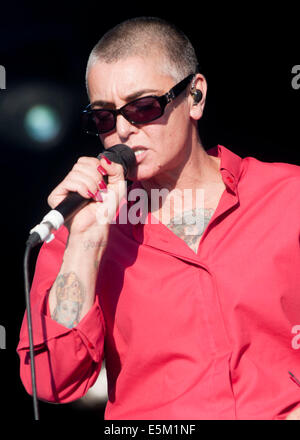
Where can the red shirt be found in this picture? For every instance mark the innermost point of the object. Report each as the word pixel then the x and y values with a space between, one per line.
pixel 186 335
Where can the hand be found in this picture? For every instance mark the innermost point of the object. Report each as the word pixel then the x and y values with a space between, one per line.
pixel 86 178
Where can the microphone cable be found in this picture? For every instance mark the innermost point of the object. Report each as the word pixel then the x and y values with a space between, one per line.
pixel 121 154
pixel 32 240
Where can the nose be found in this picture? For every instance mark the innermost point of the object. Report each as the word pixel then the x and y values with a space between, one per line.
pixel 124 128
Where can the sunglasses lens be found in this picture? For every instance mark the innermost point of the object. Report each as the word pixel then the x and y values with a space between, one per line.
pixel 143 110
pixel 103 120
pixel 140 111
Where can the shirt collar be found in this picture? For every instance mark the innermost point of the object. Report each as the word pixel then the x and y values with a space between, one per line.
pixel 230 165
pixel 230 168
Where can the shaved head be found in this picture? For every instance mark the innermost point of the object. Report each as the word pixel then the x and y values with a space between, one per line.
pixel 144 37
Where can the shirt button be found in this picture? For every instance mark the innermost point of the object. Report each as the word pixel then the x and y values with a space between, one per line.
pixel 90 345
pixel 230 179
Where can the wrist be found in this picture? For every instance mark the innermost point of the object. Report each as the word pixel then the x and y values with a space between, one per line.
pixel 87 245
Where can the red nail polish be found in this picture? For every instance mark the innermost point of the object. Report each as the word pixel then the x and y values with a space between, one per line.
pixel 90 194
pixel 107 160
pixel 98 197
pixel 102 170
pixel 102 185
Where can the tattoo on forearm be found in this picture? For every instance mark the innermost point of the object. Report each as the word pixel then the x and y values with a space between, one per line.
pixel 69 300
pixel 90 244
pixel 190 225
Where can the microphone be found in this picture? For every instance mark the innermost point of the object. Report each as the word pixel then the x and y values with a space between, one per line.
pixel 73 202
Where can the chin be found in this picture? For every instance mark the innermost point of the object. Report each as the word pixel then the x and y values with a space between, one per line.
pixel 142 173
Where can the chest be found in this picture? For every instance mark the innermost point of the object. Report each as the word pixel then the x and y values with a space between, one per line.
pixel 188 215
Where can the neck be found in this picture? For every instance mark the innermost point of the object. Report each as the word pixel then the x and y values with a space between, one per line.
pixel 196 169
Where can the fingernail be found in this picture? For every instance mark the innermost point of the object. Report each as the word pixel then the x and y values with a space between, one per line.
pixel 107 160
pixel 102 185
pixel 90 194
pixel 102 170
pixel 98 196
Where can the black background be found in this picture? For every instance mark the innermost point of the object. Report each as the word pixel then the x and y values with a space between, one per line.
pixel 247 55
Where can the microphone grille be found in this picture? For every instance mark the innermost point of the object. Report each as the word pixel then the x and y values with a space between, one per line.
pixel 121 154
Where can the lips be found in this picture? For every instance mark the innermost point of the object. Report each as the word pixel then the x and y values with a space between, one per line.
pixel 139 152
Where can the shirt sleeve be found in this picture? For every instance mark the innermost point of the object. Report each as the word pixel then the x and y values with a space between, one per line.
pixel 67 361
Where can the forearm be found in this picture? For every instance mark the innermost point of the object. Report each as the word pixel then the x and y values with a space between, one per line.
pixel 67 361
pixel 73 292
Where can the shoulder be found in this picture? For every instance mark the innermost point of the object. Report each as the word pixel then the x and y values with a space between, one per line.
pixel 274 186
pixel 261 173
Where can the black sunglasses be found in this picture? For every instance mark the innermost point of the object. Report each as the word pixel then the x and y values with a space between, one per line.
pixel 139 111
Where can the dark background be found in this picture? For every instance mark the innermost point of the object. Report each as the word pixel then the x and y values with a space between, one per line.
pixel 247 56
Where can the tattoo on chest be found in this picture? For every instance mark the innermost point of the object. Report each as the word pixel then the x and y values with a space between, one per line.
pixel 69 299
pixel 190 226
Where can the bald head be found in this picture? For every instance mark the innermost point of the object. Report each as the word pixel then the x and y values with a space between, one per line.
pixel 144 37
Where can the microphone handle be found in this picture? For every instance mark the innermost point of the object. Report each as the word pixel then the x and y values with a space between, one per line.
pixel 71 205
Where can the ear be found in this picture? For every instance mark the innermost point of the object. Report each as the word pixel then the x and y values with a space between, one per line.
pixel 197 96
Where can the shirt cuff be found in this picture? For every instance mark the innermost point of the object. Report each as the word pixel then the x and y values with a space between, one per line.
pixel 91 329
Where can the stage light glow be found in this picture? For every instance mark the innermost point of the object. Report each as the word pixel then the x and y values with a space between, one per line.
pixel 38 115
pixel 42 123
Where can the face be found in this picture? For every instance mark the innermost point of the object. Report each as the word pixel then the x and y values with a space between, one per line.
pixel 161 146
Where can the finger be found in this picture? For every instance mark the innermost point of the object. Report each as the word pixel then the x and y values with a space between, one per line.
pixel 81 183
pixel 88 177
pixel 74 182
pixel 86 160
pixel 113 170
pixel 90 172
